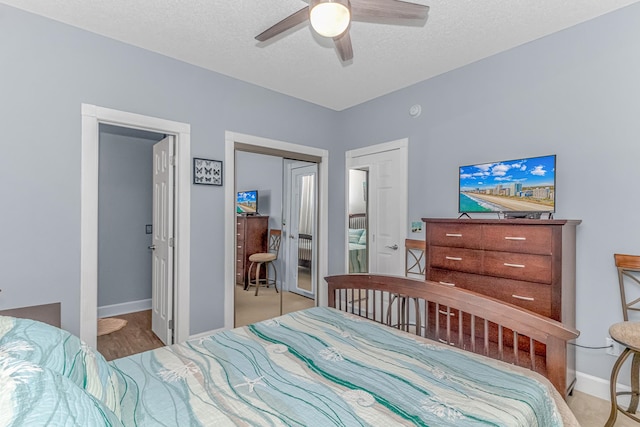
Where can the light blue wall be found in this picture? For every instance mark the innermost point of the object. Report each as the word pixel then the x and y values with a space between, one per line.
pixel 125 200
pixel 263 173
pixel 575 94
pixel 48 70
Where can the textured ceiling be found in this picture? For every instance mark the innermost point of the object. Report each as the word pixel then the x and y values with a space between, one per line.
pixel 219 35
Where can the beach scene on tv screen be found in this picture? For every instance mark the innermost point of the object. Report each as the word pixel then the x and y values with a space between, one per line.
pixel 514 185
pixel 246 202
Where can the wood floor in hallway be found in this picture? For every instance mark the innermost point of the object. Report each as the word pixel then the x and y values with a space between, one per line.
pixel 134 338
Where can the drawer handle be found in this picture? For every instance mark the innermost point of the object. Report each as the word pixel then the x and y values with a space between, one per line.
pixel 453 235
pixel 239 247
pixel 514 238
pixel 523 298
pixel 445 313
pixel 506 264
pixel 454 258
pixel 447 283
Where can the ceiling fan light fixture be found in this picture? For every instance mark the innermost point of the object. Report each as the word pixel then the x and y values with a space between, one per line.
pixel 330 18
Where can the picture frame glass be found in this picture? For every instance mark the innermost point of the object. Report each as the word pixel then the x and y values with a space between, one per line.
pixel 207 172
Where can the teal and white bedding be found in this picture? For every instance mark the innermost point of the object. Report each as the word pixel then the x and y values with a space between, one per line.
pixel 322 367
pixel 357 258
pixel 358 250
pixel 316 367
pixel 50 377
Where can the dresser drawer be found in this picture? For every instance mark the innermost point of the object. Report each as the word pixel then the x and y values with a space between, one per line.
pixel 513 238
pixel 532 296
pixel 240 277
pixel 532 268
pixel 240 232
pixel 458 259
pixel 455 235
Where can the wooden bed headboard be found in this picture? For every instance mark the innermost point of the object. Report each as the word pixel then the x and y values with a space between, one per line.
pixel 460 318
pixel 358 220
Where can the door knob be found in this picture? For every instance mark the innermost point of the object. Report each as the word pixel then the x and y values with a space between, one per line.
pixel 394 247
pixel 152 247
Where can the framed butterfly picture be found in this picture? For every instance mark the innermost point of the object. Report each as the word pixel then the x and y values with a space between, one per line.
pixel 207 172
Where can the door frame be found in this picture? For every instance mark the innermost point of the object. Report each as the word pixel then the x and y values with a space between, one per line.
pixel 256 144
pixel 399 144
pixel 92 116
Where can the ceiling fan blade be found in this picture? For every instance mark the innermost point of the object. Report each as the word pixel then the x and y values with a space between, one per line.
pixel 343 44
pixel 289 22
pixel 363 10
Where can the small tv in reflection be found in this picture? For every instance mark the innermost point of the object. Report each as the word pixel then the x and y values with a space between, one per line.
pixel 247 202
pixel 520 185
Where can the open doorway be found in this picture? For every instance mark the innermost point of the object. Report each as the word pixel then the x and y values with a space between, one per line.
pixel 92 117
pixel 236 143
pixel 383 227
pixel 357 208
pixel 125 220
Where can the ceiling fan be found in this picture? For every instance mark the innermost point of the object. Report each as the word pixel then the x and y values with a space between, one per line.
pixel 332 18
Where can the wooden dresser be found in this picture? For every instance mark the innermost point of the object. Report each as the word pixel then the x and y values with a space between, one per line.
pixel 251 238
pixel 47 313
pixel 529 263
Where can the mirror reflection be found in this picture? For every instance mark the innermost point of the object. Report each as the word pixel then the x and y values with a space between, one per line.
pixel 358 230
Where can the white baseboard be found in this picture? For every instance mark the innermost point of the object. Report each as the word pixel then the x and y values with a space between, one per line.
pixel 124 308
pixel 595 386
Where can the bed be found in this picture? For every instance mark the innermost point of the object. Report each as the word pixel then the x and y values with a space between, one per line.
pixel 320 366
pixel 358 243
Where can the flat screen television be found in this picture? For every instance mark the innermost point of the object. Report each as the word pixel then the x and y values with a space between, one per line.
pixel 526 185
pixel 247 202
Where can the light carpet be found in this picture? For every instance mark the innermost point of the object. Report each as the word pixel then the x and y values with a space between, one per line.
pixel 250 308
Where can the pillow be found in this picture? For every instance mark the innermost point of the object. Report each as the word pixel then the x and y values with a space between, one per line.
pixel 355 234
pixel 63 353
pixel 36 396
pixel 363 238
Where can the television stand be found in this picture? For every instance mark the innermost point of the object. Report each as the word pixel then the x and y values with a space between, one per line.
pixel 464 214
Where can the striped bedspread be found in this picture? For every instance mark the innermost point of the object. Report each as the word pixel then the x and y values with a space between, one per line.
pixel 322 367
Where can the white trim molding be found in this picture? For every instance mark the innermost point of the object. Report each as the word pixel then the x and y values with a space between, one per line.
pixel 92 117
pixel 595 386
pixel 248 141
pixel 124 308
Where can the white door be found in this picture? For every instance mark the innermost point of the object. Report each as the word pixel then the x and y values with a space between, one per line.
pixel 163 241
pixel 387 204
pixel 301 236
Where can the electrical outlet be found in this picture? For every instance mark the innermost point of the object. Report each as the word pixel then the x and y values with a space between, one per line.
pixel 614 348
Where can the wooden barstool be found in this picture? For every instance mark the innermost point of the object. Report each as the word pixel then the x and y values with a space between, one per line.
pixel 627 334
